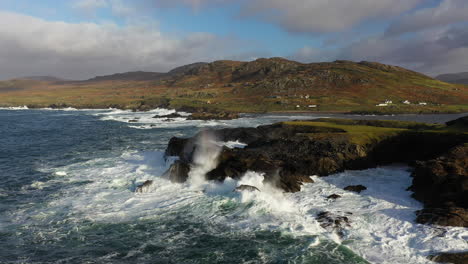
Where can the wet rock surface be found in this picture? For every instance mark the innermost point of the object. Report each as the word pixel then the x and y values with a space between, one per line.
pixel 248 188
pixel 178 172
pixel 355 188
pixel 288 154
pixel 169 116
pixel 334 222
pixel 333 196
pixel 442 185
pixel 144 186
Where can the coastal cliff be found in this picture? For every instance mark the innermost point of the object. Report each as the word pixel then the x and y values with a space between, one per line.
pixel 288 153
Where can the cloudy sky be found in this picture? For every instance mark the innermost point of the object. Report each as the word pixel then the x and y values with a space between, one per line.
pixel 78 39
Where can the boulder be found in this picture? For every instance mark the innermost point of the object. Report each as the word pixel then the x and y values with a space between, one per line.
pixel 144 186
pixel 334 222
pixel 356 188
pixel 334 196
pixel 245 187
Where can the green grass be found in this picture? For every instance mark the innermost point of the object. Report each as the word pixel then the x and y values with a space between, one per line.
pixel 357 134
pixel 365 132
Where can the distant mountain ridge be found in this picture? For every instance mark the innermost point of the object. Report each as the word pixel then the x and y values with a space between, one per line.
pixel 262 85
pixel 128 76
pixel 42 78
pixel 461 77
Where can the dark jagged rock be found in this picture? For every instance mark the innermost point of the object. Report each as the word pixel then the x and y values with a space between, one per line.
pixel 450 216
pixel 143 187
pixel 248 188
pixel 133 121
pixel 454 258
pixel 178 172
pixel 334 196
pixel 334 222
pixel 442 185
pixel 288 154
pixel 356 188
pixel 181 147
pixel 169 116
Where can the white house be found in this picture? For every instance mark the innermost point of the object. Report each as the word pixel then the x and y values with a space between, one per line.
pixel 388 102
pixel 298 106
pixel 312 106
pixel 422 103
pixel 382 105
pixel 406 102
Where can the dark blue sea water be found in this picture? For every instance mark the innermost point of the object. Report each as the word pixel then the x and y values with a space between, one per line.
pixel 66 196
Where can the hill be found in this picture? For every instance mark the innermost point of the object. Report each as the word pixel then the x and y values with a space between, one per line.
pixel 128 76
pixel 42 78
pixel 274 84
pixel 461 77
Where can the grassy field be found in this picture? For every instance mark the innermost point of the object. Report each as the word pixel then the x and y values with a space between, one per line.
pixel 363 132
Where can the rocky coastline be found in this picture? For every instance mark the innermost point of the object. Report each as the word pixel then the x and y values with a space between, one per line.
pixel 288 153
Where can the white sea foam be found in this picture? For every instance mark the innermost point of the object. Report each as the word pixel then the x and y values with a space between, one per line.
pixel 382 227
pixel 60 173
pixel 234 144
pixel 151 120
pixel 15 108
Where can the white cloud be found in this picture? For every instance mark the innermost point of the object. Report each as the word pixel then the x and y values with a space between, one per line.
pixel 446 13
pixel 307 16
pixel 325 15
pixel 33 46
pixel 432 52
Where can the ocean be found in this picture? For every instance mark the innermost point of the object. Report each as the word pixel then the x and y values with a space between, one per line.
pixel 67 196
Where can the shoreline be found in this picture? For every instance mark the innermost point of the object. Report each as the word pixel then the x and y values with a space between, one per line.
pixel 350 113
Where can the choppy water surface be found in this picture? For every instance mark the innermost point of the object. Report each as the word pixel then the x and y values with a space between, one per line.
pixel 67 197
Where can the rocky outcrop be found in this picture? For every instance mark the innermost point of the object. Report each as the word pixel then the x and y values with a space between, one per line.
pixel 173 115
pixel 442 185
pixel 288 154
pixel 334 222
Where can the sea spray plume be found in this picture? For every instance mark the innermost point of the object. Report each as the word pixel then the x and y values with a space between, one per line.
pixel 270 197
pixel 205 158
